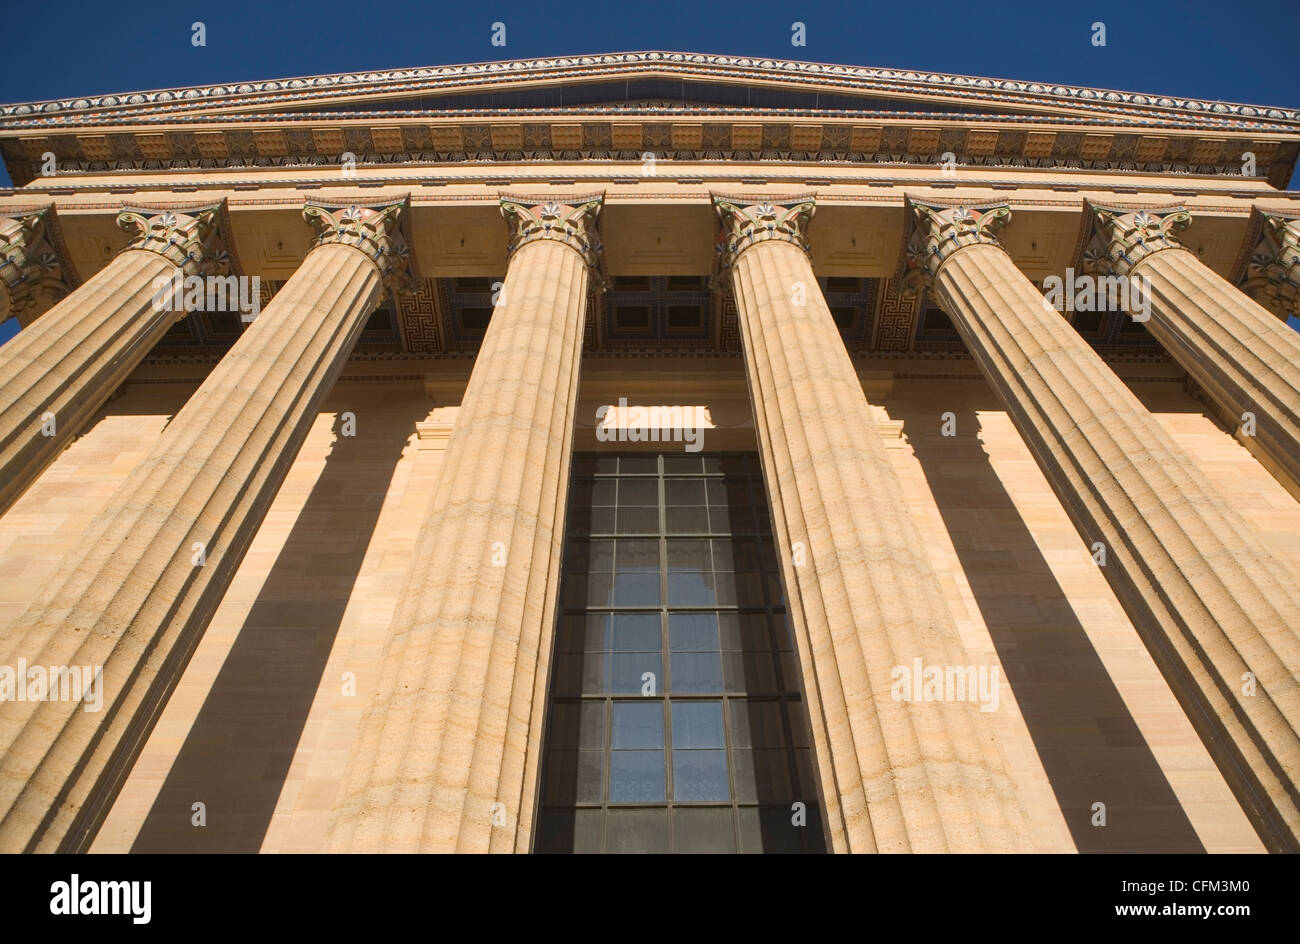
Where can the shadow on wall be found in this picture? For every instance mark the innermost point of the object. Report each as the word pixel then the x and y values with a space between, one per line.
pixel 237 754
pixel 1089 744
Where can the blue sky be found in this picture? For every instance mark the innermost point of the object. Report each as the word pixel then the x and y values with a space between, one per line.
pixel 1244 52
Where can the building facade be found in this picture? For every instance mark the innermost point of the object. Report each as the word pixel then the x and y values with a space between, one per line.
pixel 649 452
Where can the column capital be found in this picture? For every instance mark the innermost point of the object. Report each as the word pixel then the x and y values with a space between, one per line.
pixel 1117 238
pixel 934 231
pixel 747 220
pixel 32 261
pixel 376 230
pixel 1270 268
pixel 195 239
pixel 570 220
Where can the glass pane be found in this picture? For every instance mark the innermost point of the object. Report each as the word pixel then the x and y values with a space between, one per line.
pixel 687 519
pixel 638 557
pixel 691 590
pixel 697 724
pixel 693 631
pixel 573 777
pixel 638 724
pixel 683 492
pixel 636 589
pixel 703 830
pixel 638 465
pixel 763 776
pixel 636 831
pixel 636 520
pixel 681 465
pixel 602 492
pixel 696 672
pixel 601 560
pixel 630 670
pixel 578 724
pixel 756 724
pixel 700 776
pixel 637 632
pixel 636 777
pixel 689 557
pixel 643 492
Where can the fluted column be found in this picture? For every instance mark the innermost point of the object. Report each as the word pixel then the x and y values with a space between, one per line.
pixel 60 369
pixel 447 755
pixel 898 775
pixel 137 595
pixel 1217 611
pixel 1244 357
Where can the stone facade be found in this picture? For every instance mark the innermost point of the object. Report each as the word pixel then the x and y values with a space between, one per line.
pixel 316 551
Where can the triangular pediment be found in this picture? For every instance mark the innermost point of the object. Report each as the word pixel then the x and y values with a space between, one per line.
pixel 693 105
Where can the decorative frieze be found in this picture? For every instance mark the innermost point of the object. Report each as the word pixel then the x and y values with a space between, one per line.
pixel 374 230
pixel 192 239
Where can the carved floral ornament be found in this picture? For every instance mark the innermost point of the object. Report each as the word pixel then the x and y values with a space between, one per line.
pixel 936 232
pixel 374 230
pixel 1123 237
pixel 190 238
pixel 30 265
pixel 574 223
pixel 746 222
pixel 1272 273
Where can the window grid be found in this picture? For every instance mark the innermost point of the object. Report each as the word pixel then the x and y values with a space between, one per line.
pixel 751 722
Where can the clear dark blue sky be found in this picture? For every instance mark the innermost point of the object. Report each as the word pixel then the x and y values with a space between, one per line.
pixel 1215 49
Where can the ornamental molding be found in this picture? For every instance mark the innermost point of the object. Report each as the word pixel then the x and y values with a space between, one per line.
pixel 35 269
pixel 378 230
pixel 1116 238
pixel 680 136
pixel 746 221
pixel 196 239
pixel 572 220
pixel 352 85
pixel 933 232
pixel 1268 265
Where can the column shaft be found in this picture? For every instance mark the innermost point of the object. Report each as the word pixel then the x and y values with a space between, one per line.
pixel 154 565
pixel 897 775
pixel 1244 357
pixel 1209 602
pixel 447 755
pixel 68 362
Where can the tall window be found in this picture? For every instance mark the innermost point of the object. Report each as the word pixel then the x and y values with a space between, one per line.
pixel 675 720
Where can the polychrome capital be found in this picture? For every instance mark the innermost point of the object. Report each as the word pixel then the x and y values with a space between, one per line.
pixel 31 264
pixel 570 220
pixel 937 231
pixel 747 221
pixel 374 230
pixel 1272 268
pixel 1123 237
pixel 193 239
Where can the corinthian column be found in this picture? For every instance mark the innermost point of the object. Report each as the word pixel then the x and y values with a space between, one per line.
pixel 447 755
pixel 1269 271
pixel 1217 611
pixel 137 595
pixel 60 369
pixel 34 271
pixel 898 775
pixel 1246 359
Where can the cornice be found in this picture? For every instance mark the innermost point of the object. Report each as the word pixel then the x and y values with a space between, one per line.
pixel 447 78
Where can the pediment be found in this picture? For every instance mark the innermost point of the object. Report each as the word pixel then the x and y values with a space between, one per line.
pixel 679 105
